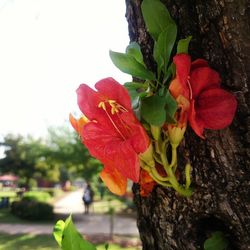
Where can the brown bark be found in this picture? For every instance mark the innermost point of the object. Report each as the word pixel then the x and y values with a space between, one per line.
pixel 221 34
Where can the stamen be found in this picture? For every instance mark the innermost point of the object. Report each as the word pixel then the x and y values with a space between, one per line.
pixel 124 125
pixel 116 107
pixel 114 110
pixel 120 107
pixel 117 129
pixel 190 89
pixel 102 105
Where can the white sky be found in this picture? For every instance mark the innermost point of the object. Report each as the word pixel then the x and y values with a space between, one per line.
pixel 48 48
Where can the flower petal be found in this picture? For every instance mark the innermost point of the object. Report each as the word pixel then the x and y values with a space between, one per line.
pixel 88 101
pixel 126 160
pixel 176 89
pixel 113 90
pixel 216 107
pixel 73 122
pixel 115 181
pixel 78 124
pixel 183 105
pixel 106 145
pixel 146 183
pixel 202 79
pixel 138 138
pixel 183 64
pixel 198 63
pixel 97 138
pixel 195 122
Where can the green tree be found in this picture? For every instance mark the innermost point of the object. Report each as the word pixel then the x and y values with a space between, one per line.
pixel 61 156
pixel 21 156
pixel 64 147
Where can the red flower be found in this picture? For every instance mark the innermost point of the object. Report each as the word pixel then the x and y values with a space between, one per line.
pixel 146 183
pixel 210 106
pixel 112 134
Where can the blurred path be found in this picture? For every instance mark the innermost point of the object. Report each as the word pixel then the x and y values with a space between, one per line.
pixel 88 224
pixel 70 204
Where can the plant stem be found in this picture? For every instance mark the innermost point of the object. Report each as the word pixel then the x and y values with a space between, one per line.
pixel 172 178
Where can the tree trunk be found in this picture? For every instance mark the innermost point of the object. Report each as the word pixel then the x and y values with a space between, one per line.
pixel 220 173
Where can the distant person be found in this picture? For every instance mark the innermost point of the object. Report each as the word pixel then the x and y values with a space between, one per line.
pixel 87 198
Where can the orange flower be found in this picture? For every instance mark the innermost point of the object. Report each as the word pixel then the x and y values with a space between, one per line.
pixel 78 124
pixel 146 183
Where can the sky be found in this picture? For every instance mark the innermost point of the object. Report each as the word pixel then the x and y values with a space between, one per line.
pixel 47 49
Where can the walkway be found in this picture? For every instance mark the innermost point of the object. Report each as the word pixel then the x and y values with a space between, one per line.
pixel 70 204
pixel 91 224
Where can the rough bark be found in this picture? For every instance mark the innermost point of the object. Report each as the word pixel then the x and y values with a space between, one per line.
pixel 221 34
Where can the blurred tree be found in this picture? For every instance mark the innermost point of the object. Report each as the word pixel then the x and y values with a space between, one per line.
pixel 21 156
pixel 61 156
pixel 65 148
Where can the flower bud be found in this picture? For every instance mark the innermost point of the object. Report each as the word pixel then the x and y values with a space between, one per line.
pixel 147 157
pixel 175 134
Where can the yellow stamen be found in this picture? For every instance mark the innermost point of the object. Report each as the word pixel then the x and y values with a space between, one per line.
pixel 114 106
pixel 117 129
pixel 190 88
pixel 114 109
pixel 102 105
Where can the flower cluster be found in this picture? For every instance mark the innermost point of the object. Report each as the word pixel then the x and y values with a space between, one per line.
pixel 143 147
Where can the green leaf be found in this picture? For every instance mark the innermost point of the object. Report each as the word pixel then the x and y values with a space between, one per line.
pixel 163 47
pixel 135 96
pixel 168 75
pixel 58 231
pixel 217 241
pixel 156 17
pixel 128 64
pixel 171 107
pixel 182 46
pixel 153 110
pixel 134 50
pixel 135 85
pixel 72 240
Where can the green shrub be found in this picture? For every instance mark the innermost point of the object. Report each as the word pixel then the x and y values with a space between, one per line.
pixel 32 210
pixel 32 183
pixel 51 192
pixel 41 196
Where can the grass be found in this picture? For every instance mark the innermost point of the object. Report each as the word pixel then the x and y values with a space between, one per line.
pixel 27 242
pixel 7 217
pixel 41 242
pixel 104 206
pixel 10 194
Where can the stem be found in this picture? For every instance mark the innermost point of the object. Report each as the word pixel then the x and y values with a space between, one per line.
pixel 152 85
pixel 172 178
pixel 174 157
pixel 157 158
pixel 157 175
pixel 161 182
pixel 187 175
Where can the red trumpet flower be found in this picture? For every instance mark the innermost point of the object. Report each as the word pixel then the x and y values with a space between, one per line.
pixel 112 134
pixel 210 106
